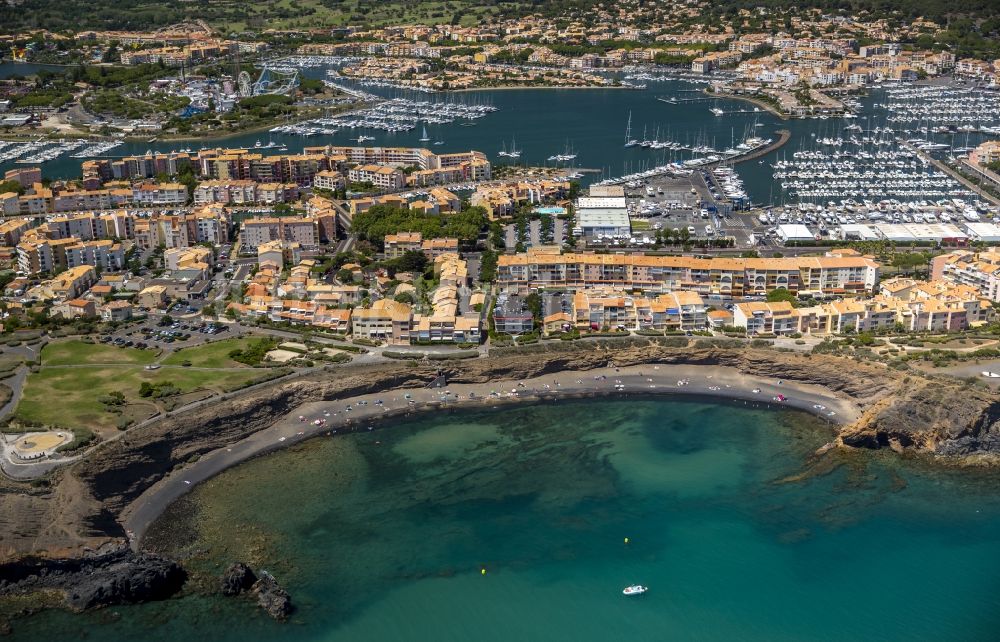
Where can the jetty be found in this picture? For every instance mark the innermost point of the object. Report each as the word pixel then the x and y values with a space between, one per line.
pixel 783 136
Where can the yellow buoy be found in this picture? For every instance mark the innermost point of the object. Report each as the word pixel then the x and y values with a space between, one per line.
pixel 482 571
pixel 626 540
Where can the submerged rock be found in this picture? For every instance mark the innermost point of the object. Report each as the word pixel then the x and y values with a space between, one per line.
pixel 271 597
pixel 238 578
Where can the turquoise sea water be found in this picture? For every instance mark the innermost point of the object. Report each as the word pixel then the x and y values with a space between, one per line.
pixel 739 533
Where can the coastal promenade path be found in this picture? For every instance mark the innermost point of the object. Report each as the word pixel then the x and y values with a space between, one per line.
pixel 370 412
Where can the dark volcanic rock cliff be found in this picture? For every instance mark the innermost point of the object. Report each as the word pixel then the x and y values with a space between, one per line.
pixel 116 577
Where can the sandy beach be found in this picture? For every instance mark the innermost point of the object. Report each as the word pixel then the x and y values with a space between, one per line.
pixel 367 412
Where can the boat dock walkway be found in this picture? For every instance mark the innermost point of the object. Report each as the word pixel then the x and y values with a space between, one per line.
pixel 783 136
pixel 680 101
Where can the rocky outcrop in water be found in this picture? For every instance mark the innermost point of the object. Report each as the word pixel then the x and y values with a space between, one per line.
pixel 944 418
pixel 116 577
pixel 238 578
pixel 271 597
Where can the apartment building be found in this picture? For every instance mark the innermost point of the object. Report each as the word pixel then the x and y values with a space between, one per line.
pixel 11 231
pixel 197 258
pixel 73 282
pixel 397 245
pixel 257 231
pixel 386 320
pixel 35 255
pixel 105 254
pixel 980 270
pixel 225 191
pixel 25 177
pixel 160 194
pixel 329 179
pixel 381 176
pixel 821 276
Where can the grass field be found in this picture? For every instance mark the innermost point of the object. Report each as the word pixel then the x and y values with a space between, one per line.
pixel 70 353
pixel 65 396
pixel 210 355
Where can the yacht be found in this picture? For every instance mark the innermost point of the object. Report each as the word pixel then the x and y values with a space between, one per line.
pixel 629 141
pixel 636 589
pixel 424 138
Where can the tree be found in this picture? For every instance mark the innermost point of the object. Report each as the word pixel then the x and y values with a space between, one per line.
pixel 11 186
pixel 345 276
pixel 781 294
pixel 412 261
pixel 534 303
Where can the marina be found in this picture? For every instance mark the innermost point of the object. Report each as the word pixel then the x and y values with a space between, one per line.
pixel 869 155
pixel 394 115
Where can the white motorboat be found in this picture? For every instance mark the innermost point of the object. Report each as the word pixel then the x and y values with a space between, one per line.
pixel 991 374
pixel 636 589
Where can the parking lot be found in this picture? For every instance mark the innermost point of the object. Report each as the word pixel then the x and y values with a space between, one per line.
pixel 694 203
pixel 157 335
pixel 536 233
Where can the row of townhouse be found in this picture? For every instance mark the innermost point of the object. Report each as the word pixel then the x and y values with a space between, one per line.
pixel 948 311
pixel 595 309
pixel 243 164
pixel 297 312
pixel 437 200
pixel 472 165
pixel 397 245
pixel 302 300
pixel 43 200
pixel 832 274
pixel 136 167
pixel 446 322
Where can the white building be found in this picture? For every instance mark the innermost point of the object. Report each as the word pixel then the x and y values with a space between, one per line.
pixel 795 232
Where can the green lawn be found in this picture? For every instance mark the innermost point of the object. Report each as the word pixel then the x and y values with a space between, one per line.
pixel 77 391
pixel 210 355
pixel 74 352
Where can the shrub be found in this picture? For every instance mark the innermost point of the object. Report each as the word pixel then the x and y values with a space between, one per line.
pixel 255 351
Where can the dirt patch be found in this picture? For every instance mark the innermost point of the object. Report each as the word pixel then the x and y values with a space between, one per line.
pixel 281 356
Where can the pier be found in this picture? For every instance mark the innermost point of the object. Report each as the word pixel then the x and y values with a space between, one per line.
pixel 783 136
pixel 683 101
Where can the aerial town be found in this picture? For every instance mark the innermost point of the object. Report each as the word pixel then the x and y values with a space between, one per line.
pixel 547 263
